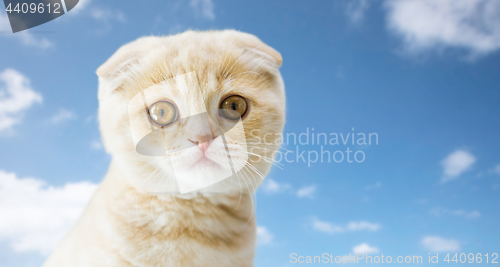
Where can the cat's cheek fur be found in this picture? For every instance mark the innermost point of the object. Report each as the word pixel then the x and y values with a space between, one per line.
pixel 129 221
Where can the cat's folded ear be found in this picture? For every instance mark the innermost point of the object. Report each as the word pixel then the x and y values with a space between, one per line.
pixel 114 70
pixel 126 55
pixel 254 45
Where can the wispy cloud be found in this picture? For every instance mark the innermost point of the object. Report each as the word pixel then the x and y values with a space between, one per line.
pixel 473 25
pixel 205 8
pixel 80 7
pixel 270 186
pixel 101 13
pixel 36 216
pixel 16 96
pixel 330 228
pixel 439 244
pixel 106 14
pixel 363 225
pixel 25 37
pixel 326 227
pixel 176 28
pixel 62 115
pixel 96 145
pixel 356 9
pixel 455 164
pixel 264 237
pixel 373 186
pixel 438 211
pixel 307 191
pixel 364 248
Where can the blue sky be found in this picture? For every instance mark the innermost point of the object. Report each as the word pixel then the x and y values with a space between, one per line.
pixel 423 75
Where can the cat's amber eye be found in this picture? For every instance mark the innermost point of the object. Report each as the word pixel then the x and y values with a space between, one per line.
pixel 233 107
pixel 163 113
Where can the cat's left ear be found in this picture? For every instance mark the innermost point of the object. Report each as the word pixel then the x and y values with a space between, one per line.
pixel 254 45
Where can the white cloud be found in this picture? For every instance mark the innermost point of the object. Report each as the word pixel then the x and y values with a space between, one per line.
pixel 16 96
pixel 36 216
pixel 62 115
pixel 364 248
pixel 264 236
pixel 373 186
pixel 270 186
pixel 473 25
pixel 96 145
pixel 362 225
pixel 326 227
pixel 455 164
pixel 107 14
pixel 438 211
pixel 204 7
pixel 307 191
pixel 356 9
pixel 438 244
pixel 331 228
pixel 25 37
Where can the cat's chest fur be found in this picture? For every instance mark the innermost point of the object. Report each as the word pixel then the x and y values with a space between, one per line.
pixel 123 227
pixel 154 231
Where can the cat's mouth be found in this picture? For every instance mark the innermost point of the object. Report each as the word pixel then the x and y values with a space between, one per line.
pixel 204 161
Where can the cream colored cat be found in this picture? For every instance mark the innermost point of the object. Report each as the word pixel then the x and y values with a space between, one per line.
pixel 183 96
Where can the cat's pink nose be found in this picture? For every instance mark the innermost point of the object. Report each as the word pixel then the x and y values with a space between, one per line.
pixel 203 142
pixel 204 146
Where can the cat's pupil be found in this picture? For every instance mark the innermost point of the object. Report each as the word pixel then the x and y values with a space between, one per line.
pixel 234 106
pixel 162 112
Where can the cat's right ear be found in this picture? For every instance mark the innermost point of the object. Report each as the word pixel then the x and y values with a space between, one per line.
pixel 251 44
pixel 114 71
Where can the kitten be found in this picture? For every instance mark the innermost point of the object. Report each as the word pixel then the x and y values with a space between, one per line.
pixel 192 122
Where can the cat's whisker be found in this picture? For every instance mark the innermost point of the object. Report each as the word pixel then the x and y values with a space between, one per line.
pixel 260 142
pixel 225 153
pixel 266 159
pixel 251 196
pixel 245 163
pixel 256 171
pixel 244 180
pixel 241 193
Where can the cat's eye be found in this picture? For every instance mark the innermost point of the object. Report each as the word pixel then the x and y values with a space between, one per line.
pixel 163 113
pixel 233 107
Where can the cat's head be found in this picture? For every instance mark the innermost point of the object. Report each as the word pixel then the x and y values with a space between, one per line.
pixel 198 112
